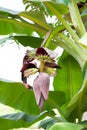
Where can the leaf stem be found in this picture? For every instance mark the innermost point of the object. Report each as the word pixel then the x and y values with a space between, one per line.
pixel 76 18
pixel 67 26
pixel 52 34
pixel 77 50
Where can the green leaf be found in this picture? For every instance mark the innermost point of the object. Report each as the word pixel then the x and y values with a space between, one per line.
pixel 17 96
pixel 66 126
pixel 11 25
pixel 31 41
pixel 52 102
pixel 37 17
pixel 84 124
pixel 76 18
pixel 77 106
pixel 8 26
pixel 47 123
pixel 61 8
pixel 84 16
pixel 53 7
pixel 52 34
pixel 52 46
pixel 81 1
pixel 20 24
pixel 56 1
pixel 18 120
pixel 83 40
pixel 84 13
pixel 66 79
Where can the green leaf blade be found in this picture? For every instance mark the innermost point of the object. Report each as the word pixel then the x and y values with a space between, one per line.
pixel 66 126
pixel 66 79
pixel 17 96
pixel 78 103
pixel 19 120
pixel 34 42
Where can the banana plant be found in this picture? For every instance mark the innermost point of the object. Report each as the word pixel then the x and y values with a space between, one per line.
pixel 68 31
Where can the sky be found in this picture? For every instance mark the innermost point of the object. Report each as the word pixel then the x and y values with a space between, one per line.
pixel 11 54
pixel 12 4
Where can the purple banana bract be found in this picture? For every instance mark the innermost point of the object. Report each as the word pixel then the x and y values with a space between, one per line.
pixel 46 69
pixel 41 88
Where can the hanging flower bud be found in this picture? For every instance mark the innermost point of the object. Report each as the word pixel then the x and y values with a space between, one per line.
pixel 42 55
pixel 27 70
pixel 41 88
pixel 41 51
pixel 50 68
pixel 51 53
pixel 47 67
pixel 52 65
pixel 47 62
pixel 27 66
pixel 28 58
pixel 30 71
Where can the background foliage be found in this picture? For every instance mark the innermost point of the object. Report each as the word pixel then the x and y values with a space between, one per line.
pixel 70 85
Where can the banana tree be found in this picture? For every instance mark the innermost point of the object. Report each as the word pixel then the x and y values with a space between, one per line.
pixel 68 31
